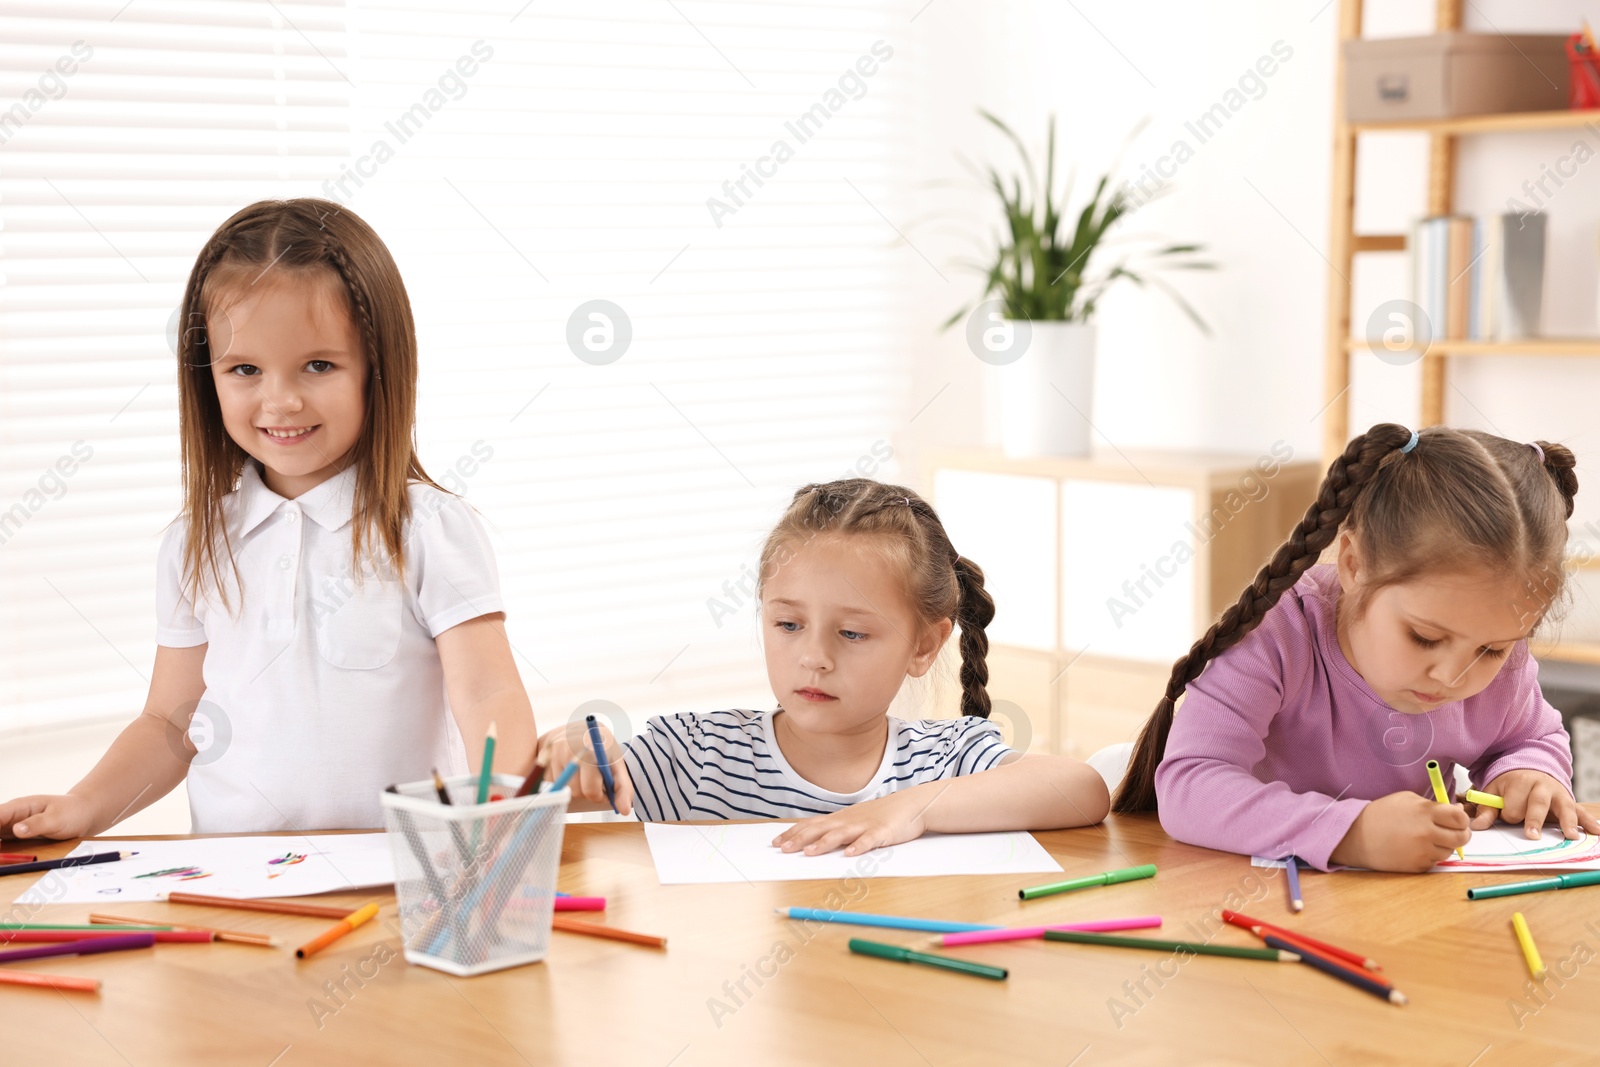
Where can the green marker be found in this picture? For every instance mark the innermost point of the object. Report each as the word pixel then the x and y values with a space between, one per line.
pixel 1126 874
pixel 862 947
pixel 1538 885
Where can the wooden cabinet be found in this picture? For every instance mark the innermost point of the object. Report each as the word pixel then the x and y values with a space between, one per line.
pixel 1104 570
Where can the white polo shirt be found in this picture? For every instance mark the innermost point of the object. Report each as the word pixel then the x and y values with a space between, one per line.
pixel 321 692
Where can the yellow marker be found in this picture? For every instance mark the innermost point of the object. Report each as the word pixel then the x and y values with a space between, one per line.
pixel 1488 800
pixel 1529 950
pixel 1438 792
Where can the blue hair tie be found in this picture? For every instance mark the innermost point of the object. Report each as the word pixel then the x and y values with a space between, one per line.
pixel 1409 445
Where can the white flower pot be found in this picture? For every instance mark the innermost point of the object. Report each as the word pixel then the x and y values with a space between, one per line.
pixel 1047 394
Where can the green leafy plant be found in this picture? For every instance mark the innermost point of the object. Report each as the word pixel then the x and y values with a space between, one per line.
pixel 1042 265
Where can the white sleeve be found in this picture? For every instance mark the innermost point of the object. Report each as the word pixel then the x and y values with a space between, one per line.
pixel 449 563
pixel 177 625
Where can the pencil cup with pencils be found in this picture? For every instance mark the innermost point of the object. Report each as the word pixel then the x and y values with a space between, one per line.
pixel 476 882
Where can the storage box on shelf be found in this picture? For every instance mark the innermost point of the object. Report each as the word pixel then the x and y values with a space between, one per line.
pixel 1104 570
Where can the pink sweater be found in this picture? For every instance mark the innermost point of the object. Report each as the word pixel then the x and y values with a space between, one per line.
pixel 1280 744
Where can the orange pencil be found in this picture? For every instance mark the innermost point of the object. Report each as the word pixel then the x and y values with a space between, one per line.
pixel 277 907
pixel 50 981
pixel 578 926
pixel 336 931
pixel 238 936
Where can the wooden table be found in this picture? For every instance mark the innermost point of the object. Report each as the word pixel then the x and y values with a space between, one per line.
pixel 740 985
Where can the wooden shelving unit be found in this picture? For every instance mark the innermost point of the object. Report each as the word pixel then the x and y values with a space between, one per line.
pixel 1344 243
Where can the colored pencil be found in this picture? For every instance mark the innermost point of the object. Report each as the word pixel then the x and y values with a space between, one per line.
pixel 1344 974
pixel 1035 933
pixel 564 777
pixel 1126 874
pixel 1530 951
pixel 862 947
pixel 1291 868
pixel 50 981
pixel 602 761
pixel 83 947
pixel 580 903
pixel 1487 800
pixel 530 784
pixel 277 907
pixel 578 926
pixel 439 787
pixel 892 922
pixel 463 849
pixel 91 927
pixel 16 857
pixel 53 936
pixel 485 771
pixel 64 861
pixel 1555 881
pixel 1436 779
pixel 1256 926
pixel 240 937
pixel 336 931
pixel 1199 948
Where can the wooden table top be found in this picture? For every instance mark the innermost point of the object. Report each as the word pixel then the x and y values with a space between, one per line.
pixel 806 1000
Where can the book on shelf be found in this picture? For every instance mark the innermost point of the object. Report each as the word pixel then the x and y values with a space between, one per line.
pixel 1479 279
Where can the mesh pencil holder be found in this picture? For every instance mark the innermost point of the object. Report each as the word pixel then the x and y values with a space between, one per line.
pixel 476 882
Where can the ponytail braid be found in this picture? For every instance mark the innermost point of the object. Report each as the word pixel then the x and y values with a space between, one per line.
pixel 974 613
pixel 1347 477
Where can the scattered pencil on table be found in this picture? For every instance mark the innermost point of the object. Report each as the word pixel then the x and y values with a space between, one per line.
pixel 277 907
pixel 17 857
pixel 862 947
pixel 1530 951
pixel 64 861
pixel 1487 800
pixel 1257 927
pixel 1303 946
pixel 602 761
pixel 1291 870
pixel 50 981
pixel 1199 948
pixel 578 926
pixel 1537 885
pixel 486 771
pixel 564 777
pixel 1334 970
pixel 1036 933
pixel 89 926
pixel 241 937
pixel 890 922
pixel 61 936
pixel 83 947
pixel 1436 779
pixel 336 931
pixel 1126 874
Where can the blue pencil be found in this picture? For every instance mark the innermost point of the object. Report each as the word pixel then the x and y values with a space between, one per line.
pixel 1292 868
pixel 603 761
pixel 564 777
pixel 893 922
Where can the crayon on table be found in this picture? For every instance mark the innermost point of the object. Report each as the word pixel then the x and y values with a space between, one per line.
pixel 1125 874
pixel 1344 974
pixel 336 931
pixel 863 947
pixel 1530 951
pixel 1436 779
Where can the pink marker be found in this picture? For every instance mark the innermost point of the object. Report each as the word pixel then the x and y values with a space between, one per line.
pixel 1024 933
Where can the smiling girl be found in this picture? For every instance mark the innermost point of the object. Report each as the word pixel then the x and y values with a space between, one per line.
pixel 331 615
pixel 860 589
pixel 1315 702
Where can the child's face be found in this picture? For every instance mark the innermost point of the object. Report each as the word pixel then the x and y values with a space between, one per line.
pixel 841 637
pixel 286 359
pixel 1441 638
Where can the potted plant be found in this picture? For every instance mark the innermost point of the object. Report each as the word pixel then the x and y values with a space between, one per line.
pixel 1043 283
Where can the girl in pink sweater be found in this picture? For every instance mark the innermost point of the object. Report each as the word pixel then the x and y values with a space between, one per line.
pixel 1330 687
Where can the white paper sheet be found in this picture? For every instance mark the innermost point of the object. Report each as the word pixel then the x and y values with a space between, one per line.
pixel 701 853
pixel 1504 848
pixel 288 865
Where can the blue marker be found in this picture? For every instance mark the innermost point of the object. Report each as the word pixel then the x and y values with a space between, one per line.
pixel 604 762
pixel 564 777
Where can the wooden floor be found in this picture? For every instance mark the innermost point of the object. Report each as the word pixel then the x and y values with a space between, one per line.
pixel 740 985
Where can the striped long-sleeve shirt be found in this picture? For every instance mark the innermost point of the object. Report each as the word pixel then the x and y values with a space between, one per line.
pixel 727 765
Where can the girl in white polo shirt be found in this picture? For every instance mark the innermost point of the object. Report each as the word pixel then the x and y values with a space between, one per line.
pixel 328 616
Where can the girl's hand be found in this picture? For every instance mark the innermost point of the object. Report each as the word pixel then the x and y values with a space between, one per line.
pixel 60 817
pixel 561 746
pixel 1403 832
pixel 859 828
pixel 1532 797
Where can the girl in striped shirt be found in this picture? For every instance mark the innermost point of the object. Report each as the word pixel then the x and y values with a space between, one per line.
pixel 859 589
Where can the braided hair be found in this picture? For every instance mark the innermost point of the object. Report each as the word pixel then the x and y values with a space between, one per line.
pixel 1453 499
pixel 940 583
pixel 310 241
